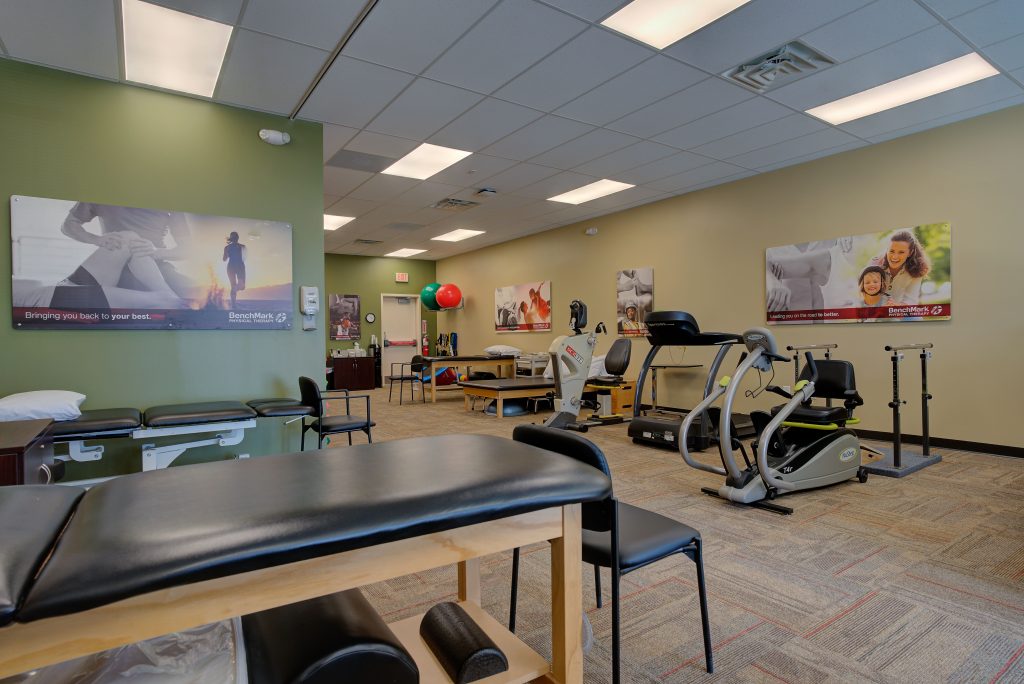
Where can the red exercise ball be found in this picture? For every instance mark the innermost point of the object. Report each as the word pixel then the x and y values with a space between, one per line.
pixel 449 296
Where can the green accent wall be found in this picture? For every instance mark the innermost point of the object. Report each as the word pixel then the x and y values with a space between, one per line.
pixel 71 137
pixel 369 277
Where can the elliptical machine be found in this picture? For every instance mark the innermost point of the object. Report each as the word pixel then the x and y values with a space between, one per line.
pixel 799 446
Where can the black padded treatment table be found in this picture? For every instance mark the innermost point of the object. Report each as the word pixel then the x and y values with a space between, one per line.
pixel 151 553
pixel 507 388
pixel 504 366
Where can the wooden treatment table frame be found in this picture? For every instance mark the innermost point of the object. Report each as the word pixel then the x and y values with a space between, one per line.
pixel 500 395
pixel 500 364
pixel 26 646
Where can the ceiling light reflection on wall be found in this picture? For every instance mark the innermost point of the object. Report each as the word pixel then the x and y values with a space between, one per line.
pixel 172 50
pixel 405 252
pixel 591 192
pixel 937 79
pixel 425 161
pixel 458 234
pixel 332 222
pixel 659 23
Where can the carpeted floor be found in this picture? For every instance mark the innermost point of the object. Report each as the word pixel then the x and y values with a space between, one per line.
pixel 912 580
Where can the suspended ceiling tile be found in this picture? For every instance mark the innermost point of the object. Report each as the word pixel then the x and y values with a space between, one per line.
pixel 343 181
pixel 591 10
pixel 587 61
pixel 755 28
pixel 920 51
pixel 952 118
pixel 642 85
pixel 426 193
pixel 710 95
pixel 537 137
pixel 639 153
pixel 944 104
pixel 224 11
pixel 381 145
pixel 383 188
pixel 329 200
pixel 869 28
pixel 677 163
pixel 741 117
pixel 335 138
pixel 621 200
pixel 992 23
pixel 1008 54
pixel 320 23
pixel 715 182
pixel 506 42
pixel 488 121
pixel 1018 74
pixel 556 185
pixel 422 109
pixel 814 155
pixel 471 171
pixel 79 36
pixel 787 128
pixel 411 35
pixel 953 8
pixel 809 144
pixel 702 174
pixel 353 92
pixel 584 148
pixel 519 176
pixel 349 206
pixel 267 73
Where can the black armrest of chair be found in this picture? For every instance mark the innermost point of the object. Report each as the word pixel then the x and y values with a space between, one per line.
pixel 348 396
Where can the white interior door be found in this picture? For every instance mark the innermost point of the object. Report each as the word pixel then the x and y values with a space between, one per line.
pixel 400 325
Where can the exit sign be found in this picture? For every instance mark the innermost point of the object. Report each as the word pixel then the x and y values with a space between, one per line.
pixel 401 277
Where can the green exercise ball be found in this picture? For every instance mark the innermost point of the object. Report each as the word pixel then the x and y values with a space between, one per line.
pixel 428 296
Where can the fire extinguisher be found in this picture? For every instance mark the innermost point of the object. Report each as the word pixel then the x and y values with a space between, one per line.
pixel 426 346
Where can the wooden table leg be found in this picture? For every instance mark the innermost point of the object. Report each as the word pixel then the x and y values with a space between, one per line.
pixel 433 383
pixel 567 599
pixel 500 407
pixel 469 580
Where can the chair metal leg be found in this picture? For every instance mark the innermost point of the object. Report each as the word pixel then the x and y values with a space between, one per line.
pixel 319 440
pixel 423 393
pixel 597 584
pixel 350 439
pixel 616 627
pixel 302 438
pixel 698 558
pixel 401 389
pixel 515 591
pixel 369 437
pixel 391 388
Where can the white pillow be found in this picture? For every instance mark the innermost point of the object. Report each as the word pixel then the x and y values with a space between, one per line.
pixel 597 368
pixel 55 404
pixel 500 349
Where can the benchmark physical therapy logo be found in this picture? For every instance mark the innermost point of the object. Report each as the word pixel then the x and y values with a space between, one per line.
pixel 857 314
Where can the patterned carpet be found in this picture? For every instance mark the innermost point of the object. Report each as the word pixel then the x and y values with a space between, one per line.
pixel 912 580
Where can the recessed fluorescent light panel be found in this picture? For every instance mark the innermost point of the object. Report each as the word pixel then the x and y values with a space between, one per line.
pixel 660 23
pixel 332 222
pixel 459 234
pixel 938 79
pixel 591 192
pixel 172 50
pixel 425 161
pixel 405 252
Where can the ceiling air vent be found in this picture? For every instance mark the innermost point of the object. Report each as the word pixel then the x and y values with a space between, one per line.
pixel 779 67
pixel 364 241
pixel 452 204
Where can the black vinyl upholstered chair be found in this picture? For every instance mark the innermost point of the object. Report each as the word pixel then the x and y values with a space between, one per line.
pixel 414 376
pixel 616 362
pixel 324 425
pixel 618 536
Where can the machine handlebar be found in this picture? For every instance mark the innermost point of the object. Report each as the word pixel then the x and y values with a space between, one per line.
pixel 813 366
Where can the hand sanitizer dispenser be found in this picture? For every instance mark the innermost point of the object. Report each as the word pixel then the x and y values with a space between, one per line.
pixel 309 305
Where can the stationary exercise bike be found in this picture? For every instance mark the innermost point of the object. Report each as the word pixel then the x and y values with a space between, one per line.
pixel 799 445
pixel 573 353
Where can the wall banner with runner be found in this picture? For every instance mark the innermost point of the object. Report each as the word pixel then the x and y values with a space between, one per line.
pixel 345 317
pixel 88 266
pixel 523 308
pixel 893 276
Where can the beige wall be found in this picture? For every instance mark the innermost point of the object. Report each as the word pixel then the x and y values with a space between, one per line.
pixel 707 250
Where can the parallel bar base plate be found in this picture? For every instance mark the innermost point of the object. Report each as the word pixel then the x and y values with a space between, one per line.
pixel 910 462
